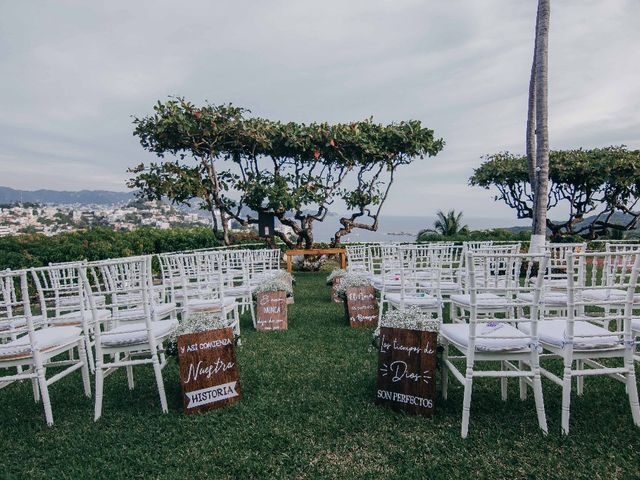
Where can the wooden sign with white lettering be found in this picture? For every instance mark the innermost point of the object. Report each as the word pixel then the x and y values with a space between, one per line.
pixel 362 307
pixel 272 311
pixel 407 370
pixel 334 295
pixel 208 370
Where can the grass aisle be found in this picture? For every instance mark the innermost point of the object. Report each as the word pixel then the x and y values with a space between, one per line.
pixel 307 412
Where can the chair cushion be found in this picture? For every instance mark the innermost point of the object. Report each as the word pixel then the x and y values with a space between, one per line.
pixel 483 300
pixel 552 332
pixel 45 339
pixel 210 304
pixel 445 286
pixel 604 294
pixel 238 291
pixel 99 300
pixel 18 322
pixel 136 333
pixel 551 299
pixel 75 317
pixel 458 333
pixel 161 310
pixel 635 326
pixel 417 300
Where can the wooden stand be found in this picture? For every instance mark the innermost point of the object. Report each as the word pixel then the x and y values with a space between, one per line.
pixel 361 306
pixel 208 370
pixel 317 251
pixel 407 370
pixel 272 311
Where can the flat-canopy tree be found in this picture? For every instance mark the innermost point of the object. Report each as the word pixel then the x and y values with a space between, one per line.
pixel 598 183
pixel 240 165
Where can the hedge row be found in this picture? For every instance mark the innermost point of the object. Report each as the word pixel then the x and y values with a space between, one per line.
pixel 36 250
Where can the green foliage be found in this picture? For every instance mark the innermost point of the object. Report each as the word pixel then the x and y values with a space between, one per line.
pixel 497 234
pixel 293 170
pixel 307 412
pixel 602 182
pixel 37 250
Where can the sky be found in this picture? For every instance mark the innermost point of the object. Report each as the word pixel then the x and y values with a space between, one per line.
pixel 72 74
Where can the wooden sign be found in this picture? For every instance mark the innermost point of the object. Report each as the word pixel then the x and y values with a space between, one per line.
pixel 208 370
pixel 334 295
pixel 272 311
pixel 407 370
pixel 362 307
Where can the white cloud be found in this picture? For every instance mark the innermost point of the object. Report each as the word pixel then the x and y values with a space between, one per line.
pixel 74 72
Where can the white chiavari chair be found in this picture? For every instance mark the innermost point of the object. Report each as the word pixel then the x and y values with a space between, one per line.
pixel 203 284
pixel 496 339
pixel 138 327
pixel 415 267
pixel 581 341
pixel 33 350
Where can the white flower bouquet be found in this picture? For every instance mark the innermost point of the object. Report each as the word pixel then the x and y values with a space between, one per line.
pixel 335 273
pixel 351 280
pixel 275 284
pixel 195 323
pixel 410 319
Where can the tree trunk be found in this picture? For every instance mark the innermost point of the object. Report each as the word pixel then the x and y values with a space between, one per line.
pixel 224 220
pixel 540 65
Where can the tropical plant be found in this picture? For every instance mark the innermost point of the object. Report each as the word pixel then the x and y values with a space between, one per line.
pixel 238 165
pixel 599 189
pixel 447 224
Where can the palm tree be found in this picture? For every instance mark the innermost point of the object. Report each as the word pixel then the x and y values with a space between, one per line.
pixel 449 224
pixel 537 142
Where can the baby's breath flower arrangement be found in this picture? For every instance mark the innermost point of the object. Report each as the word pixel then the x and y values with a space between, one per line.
pixel 276 284
pixel 350 280
pixel 195 323
pixel 411 318
pixel 335 273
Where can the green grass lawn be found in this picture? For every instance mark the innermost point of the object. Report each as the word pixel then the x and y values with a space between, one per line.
pixel 307 412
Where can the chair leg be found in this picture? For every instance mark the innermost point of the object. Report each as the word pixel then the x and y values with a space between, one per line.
pixel 86 382
pixel 99 388
pixel 445 371
pixel 522 382
pixel 130 382
pixel 159 381
pixel 44 391
pixel 537 394
pixel 503 384
pixel 580 379
pixel 36 390
pixel 566 398
pixel 466 404
pixel 632 390
pixel 89 353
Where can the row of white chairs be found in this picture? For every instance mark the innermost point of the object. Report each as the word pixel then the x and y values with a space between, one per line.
pixel 102 316
pixel 508 307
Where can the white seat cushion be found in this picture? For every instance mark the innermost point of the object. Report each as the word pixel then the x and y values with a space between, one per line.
pixel 210 305
pixel 417 300
pixel 238 291
pixel 552 332
pixel 74 300
pixel 458 333
pixel 18 322
pixel 551 299
pixel 75 317
pixel 161 310
pixel 483 300
pixel 445 286
pixel 45 339
pixel 136 333
pixel 604 294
